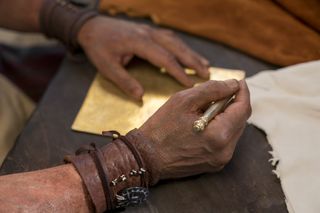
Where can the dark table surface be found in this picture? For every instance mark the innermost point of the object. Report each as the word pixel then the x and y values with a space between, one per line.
pixel 245 185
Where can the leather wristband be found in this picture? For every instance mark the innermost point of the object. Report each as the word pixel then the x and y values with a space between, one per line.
pixel 63 20
pixel 148 153
pixel 111 169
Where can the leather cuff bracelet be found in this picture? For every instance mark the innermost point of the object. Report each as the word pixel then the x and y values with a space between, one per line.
pixel 61 19
pixel 115 175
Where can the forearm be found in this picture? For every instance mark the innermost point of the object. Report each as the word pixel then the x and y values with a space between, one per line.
pixel 118 174
pixel 58 189
pixel 20 15
pixel 64 189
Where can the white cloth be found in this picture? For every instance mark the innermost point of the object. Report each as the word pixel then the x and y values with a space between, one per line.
pixel 286 105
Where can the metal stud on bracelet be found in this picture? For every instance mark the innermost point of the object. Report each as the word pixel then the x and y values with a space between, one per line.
pixel 141 171
pixel 133 195
pixel 119 179
pixel 133 172
pixel 123 177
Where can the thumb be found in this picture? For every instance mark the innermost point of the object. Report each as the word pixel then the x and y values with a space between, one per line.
pixel 210 91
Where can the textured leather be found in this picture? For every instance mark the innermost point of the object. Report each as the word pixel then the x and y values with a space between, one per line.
pixel 62 20
pixel 282 33
pixel 168 146
pixel 118 160
pixel 85 166
pixel 149 154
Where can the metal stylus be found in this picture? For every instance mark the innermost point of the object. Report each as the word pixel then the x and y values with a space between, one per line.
pixel 214 109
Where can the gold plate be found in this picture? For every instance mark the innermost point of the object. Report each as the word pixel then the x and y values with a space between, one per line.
pixel 107 108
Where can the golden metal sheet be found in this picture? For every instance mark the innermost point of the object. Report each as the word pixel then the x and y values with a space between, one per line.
pixel 107 108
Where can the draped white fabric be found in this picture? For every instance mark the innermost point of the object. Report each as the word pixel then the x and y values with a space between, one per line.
pixel 286 105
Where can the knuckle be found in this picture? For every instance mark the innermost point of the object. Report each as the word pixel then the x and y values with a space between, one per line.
pixel 132 87
pixel 182 97
pixel 224 159
pixel 215 87
pixel 146 27
pixel 179 96
pixel 143 33
pixel 217 163
pixel 190 98
pixel 119 77
pixel 225 135
pixel 209 138
pixel 220 144
pixel 170 32
pixel 249 110
pixel 167 32
pixel 246 111
pixel 169 59
pixel 220 168
pixel 221 140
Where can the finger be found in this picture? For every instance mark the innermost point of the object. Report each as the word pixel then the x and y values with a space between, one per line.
pixel 223 132
pixel 210 91
pixel 241 104
pixel 120 77
pixel 160 57
pixel 171 34
pixel 234 140
pixel 181 51
pixel 234 116
pixel 126 59
pixel 226 149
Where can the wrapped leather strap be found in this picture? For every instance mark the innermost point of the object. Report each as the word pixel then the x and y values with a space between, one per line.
pixel 62 20
pixel 149 154
pixel 116 169
pixel 97 156
pixel 138 158
pixel 135 152
pixel 88 172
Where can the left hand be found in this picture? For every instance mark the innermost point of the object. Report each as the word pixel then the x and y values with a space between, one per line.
pixel 110 44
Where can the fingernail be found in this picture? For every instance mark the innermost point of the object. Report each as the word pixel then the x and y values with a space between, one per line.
pixel 205 62
pixel 206 73
pixel 137 94
pixel 232 83
pixel 190 83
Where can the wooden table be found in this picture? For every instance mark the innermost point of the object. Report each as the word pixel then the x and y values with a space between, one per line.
pixel 245 185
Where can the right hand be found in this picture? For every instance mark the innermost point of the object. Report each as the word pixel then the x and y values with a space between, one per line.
pixel 183 152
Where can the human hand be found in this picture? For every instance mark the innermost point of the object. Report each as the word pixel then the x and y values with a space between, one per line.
pixel 183 152
pixel 111 43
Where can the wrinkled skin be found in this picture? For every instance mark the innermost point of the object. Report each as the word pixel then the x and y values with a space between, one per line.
pixel 111 43
pixel 184 152
pixel 179 151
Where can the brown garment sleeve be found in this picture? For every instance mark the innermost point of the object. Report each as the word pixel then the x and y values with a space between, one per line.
pixel 260 28
pixel 62 20
pixel 307 11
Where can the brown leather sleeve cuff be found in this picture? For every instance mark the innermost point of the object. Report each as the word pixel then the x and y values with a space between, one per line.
pixel 86 168
pixel 62 20
pixel 108 170
pixel 148 152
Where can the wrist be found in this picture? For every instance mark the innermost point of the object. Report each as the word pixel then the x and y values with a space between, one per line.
pixel 116 174
pixel 149 152
pixel 62 20
pixel 85 35
pixel 34 16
